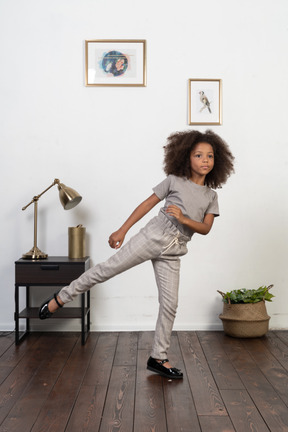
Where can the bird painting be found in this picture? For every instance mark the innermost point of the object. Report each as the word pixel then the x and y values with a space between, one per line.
pixel 205 102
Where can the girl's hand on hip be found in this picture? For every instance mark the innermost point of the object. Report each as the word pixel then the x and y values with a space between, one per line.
pixel 116 239
pixel 175 211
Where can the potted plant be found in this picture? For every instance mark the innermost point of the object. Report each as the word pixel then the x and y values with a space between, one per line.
pixel 244 312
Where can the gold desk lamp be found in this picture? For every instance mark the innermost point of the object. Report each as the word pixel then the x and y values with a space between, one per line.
pixel 69 198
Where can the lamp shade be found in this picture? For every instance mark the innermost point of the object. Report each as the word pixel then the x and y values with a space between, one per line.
pixel 69 198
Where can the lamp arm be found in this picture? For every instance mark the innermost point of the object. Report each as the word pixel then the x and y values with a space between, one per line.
pixel 36 198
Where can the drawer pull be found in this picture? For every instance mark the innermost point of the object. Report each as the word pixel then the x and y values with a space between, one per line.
pixel 49 267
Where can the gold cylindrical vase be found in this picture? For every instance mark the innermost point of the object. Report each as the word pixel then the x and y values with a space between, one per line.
pixel 77 242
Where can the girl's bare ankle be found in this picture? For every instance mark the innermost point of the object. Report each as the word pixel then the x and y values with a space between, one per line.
pixel 60 301
pixel 52 306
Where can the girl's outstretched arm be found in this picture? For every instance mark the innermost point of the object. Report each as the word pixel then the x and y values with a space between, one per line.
pixel 199 227
pixel 116 239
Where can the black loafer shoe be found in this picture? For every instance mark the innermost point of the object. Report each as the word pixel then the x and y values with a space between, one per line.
pixel 44 312
pixel 155 366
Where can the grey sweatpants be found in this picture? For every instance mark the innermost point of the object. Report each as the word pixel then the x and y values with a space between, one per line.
pixel 162 243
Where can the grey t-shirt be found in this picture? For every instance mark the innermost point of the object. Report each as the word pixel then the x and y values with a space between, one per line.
pixel 194 201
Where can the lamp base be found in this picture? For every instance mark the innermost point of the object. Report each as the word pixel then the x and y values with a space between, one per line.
pixel 35 253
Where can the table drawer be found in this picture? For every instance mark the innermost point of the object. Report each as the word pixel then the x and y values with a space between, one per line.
pixel 47 273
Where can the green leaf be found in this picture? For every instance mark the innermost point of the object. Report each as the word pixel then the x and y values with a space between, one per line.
pixel 244 295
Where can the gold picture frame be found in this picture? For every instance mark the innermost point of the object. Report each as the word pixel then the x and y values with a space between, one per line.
pixel 205 102
pixel 113 62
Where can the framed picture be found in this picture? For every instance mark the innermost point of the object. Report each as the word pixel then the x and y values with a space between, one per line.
pixel 205 102
pixel 115 63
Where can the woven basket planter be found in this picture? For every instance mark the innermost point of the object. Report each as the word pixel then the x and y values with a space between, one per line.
pixel 247 320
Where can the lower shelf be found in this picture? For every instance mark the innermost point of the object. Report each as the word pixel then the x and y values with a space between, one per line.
pixel 68 312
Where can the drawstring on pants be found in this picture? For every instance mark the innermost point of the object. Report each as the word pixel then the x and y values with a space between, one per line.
pixel 172 243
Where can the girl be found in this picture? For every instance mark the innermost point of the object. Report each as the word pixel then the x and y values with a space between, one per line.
pixel 194 163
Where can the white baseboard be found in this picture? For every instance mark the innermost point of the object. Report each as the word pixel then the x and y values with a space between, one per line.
pixel 68 325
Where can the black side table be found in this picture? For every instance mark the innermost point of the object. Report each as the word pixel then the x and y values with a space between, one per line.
pixel 53 271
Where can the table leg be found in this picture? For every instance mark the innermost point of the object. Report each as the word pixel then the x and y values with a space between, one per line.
pixel 16 314
pixel 88 314
pixel 83 319
pixel 27 306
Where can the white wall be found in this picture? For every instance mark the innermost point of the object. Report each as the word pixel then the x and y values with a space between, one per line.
pixel 107 144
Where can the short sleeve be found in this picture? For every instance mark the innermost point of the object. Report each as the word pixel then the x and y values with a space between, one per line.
pixel 213 206
pixel 163 188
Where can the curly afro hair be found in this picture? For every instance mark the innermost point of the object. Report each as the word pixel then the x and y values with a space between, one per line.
pixel 177 156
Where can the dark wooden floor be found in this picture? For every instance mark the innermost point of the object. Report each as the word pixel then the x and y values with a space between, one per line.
pixel 52 383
